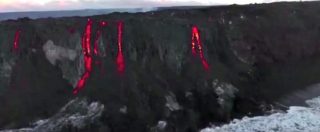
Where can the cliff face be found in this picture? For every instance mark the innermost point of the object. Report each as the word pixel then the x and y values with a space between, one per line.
pixel 255 55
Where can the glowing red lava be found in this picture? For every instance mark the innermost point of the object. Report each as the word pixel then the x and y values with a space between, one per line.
pixel 86 49
pixel 196 42
pixel 99 31
pixel 103 23
pixel 120 59
pixel 16 41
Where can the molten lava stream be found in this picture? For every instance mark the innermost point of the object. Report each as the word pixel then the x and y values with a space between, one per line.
pixel 193 44
pixel 120 59
pixel 16 41
pixel 86 49
pixel 197 42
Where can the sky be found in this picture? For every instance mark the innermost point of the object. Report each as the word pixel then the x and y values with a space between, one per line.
pixel 45 5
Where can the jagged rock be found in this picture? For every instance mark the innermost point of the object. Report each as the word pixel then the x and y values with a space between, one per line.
pixel 172 103
pixel 160 127
pixel 226 92
pixel 123 110
pixel 76 114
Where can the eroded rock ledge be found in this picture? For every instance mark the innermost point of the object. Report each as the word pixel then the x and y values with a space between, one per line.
pixel 77 114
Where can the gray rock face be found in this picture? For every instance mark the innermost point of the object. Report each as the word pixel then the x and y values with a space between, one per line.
pixel 76 114
pixel 172 103
pixel 6 69
pixel 54 52
pixel 67 58
pixel 225 91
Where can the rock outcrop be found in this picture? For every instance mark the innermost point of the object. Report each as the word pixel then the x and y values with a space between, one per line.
pixel 75 115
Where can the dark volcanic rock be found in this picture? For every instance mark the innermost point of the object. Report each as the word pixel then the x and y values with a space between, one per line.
pixel 75 115
pixel 257 52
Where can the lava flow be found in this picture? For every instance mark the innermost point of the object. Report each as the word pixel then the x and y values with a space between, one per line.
pixel 120 59
pixel 196 42
pixel 99 31
pixel 86 49
pixel 16 41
